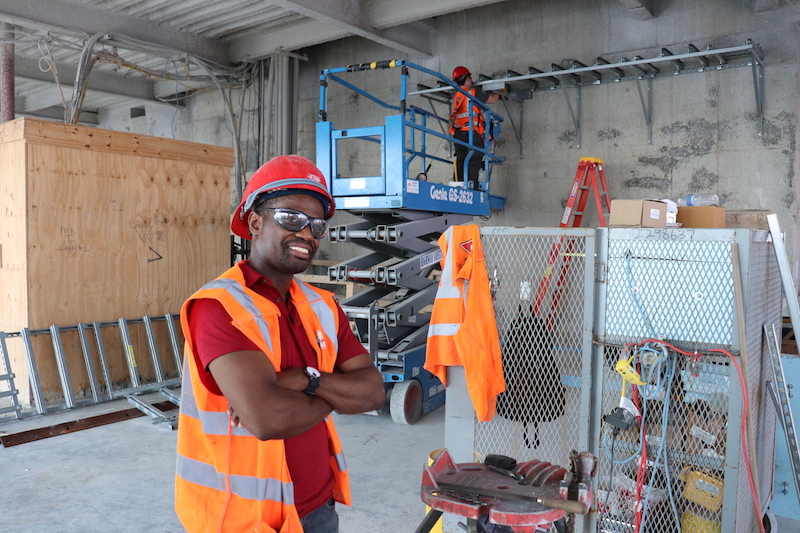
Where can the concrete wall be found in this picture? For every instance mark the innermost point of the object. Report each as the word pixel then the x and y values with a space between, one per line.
pixel 199 119
pixel 705 130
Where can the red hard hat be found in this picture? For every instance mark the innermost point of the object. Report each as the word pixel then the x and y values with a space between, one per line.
pixel 460 71
pixel 281 176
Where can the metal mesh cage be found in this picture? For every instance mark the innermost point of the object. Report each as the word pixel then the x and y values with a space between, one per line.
pixel 685 436
pixel 680 286
pixel 671 289
pixel 569 306
pixel 539 287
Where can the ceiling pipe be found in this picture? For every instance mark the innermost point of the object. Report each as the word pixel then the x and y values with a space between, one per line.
pixel 295 102
pixel 267 110
pixel 7 86
pixel 286 107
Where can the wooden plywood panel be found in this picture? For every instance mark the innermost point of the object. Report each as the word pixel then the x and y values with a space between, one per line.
pixel 13 258
pixel 13 130
pixel 126 236
pixel 112 233
pixel 116 235
pixel 95 139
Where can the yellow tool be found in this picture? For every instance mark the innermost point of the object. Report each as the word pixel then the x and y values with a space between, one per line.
pixel 701 488
pixel 694 523
pixel 628 373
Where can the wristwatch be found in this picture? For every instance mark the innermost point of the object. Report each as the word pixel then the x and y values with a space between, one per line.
pixel 313 379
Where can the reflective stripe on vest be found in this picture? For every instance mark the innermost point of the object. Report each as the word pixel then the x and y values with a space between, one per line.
pixel 447 287
pixel 249 487
pixel 233 288
pixel 340 462
pixel 447 290
pixel 326 316
pixel 460 113
pixel 442 329
pixel 213 422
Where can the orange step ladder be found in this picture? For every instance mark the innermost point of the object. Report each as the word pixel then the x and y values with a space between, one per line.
pixel 588 177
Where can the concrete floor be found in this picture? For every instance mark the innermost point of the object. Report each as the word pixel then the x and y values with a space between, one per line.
pixel 119 478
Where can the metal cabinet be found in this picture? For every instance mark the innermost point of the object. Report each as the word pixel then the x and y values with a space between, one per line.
pixel 678 285
pixel 585 294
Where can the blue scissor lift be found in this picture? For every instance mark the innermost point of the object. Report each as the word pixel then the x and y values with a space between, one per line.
pixel 403 219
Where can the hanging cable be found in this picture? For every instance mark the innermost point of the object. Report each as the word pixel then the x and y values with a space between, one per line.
pixel 667 366
pixel 634 291
pixel 220 76
pixel 45 48
pixel 745 404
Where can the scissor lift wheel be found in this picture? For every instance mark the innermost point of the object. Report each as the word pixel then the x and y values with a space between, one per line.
pixel 405 404
pixel 770 522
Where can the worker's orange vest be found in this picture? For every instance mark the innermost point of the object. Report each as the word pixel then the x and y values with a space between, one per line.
pixel 463 331
pixel 460 115
pixel 227 480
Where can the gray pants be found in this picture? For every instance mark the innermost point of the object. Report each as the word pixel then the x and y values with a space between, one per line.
pixel 475 163
pixel 323 520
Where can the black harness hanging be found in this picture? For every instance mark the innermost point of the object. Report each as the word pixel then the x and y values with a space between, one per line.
pixel 534 392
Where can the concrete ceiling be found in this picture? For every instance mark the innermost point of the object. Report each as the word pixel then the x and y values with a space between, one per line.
pixel 224 33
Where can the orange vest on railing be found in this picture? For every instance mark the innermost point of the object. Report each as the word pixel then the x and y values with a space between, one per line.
pixel 227 480
pixel 463 331
pixel 459 117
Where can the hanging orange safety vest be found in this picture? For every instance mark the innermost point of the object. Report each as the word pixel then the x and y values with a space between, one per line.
pixel 459 118
pixel 462 330
pixel 227 480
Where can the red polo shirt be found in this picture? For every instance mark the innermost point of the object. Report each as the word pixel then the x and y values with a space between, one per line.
pixel 307 455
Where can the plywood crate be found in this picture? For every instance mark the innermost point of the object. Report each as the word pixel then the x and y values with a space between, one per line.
pixel 97 225
pixel 747 218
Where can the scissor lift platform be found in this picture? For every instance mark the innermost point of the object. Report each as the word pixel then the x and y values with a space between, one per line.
pixel 403 216
pixel 395 190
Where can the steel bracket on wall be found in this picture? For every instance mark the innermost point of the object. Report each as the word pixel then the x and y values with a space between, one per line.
pixel 647 106
pixel 516 86
pixel 575 114
pixel 758 83
pixel 516 127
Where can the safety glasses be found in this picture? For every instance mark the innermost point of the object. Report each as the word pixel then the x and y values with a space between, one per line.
pixel 292 220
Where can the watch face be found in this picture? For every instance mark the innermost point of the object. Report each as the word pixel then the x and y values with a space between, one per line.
pixel 312 372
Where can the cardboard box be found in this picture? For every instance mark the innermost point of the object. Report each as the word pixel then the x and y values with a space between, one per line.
pixel 748 218
pixel 701 216
pixel 647 213
pixel 705 430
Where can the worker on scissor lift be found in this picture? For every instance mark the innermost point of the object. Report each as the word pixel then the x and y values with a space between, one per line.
pixel 460 124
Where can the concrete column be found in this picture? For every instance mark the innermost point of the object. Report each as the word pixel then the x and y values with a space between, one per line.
pixel 794 195
pixel 6 72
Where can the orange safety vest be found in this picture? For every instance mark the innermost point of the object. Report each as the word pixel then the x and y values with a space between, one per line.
pixel 463 330
pixel 227 480
pixel 459 117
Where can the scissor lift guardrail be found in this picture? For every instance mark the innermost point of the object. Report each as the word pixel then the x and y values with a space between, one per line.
pixel 403 139
pixel 403 219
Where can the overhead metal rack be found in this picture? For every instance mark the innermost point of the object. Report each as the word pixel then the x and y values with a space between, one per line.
pixel 573 74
